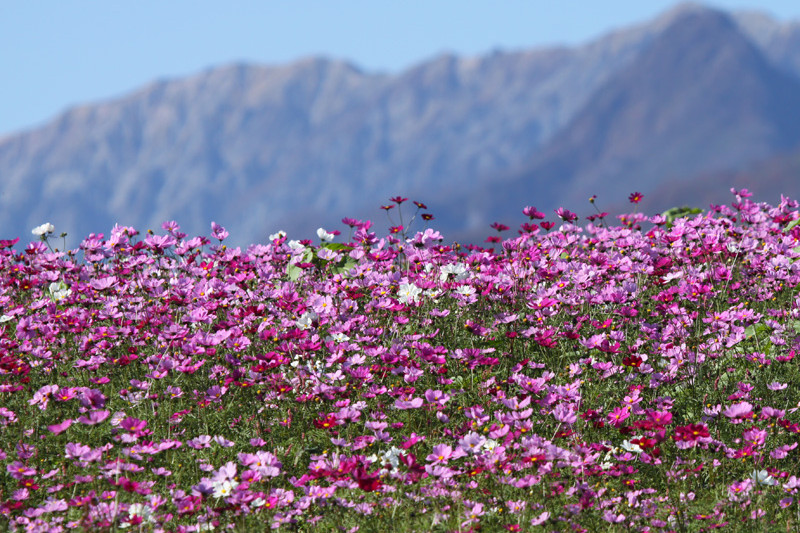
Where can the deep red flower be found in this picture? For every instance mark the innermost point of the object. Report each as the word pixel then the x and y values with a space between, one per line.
pixel 398 199
pixel 633 361
pixel 367 481
pixel 28 483
pixel 635 197
pixel 691 432
pixel 325 423
pixel 499 227
pixel 644 443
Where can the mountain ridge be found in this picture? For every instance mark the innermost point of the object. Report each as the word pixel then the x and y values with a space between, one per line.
pixel 262 148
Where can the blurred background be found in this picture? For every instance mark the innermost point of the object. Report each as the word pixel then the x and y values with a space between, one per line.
pixel 267 116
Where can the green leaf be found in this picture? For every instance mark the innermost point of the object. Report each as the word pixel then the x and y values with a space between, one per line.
pixel 680 212
pixel 293 271
pixel 755 329
pixel 344 266
pixel 336 246
pixel 792 224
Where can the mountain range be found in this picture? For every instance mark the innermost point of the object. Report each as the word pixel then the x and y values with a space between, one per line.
pixel 680 108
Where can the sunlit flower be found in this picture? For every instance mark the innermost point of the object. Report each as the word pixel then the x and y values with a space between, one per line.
pixel 324 236
pixel 222 489
pixel 44 229
pixel 58 290
pixel 762 477
pixel 408 293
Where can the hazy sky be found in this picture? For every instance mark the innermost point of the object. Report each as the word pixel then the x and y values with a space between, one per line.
pixel 56 53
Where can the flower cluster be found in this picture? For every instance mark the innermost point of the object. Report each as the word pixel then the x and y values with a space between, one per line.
pixel 576 378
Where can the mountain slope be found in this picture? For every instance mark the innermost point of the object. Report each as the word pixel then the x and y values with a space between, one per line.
pixel 700 99
pixel 243 144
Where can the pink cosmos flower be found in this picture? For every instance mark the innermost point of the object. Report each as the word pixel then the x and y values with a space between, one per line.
pixel 17 470
pixel 472 511
pixel 740 489
pixel 414 403
pixel 218 232
pixel 133 425
pixel 93 418
pixel 436 396
pixel 412 440
pixel 42 396
pixel 442 453
pixel 618 416
pixel 542 518
pixel 755 436
pixel 739 411
pixel 566 215
pixel 565 414
pixel 611 516
pixel 60 427
pixel 472 442
pixel 532 213
pixel 661 418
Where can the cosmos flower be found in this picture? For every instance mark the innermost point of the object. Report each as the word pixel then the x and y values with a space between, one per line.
pixel 44 229
pixel 408 293
pixel 324 236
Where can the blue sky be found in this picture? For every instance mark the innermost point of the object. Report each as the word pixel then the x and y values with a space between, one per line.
pixel 55 54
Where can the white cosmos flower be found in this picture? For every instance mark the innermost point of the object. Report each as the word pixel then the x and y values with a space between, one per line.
pixel 628 446
pixel 491 444
pixel 458 270
pixel 58 290
pixel 258 502
pixel 392 457
pixel 280 235
pixel 408 292
pixel 44 229
pixel 466 290
pixel 139 509
pixel 307 319
pixel 762 477
pixel 222 489
pixel 432 293
pixel 324 236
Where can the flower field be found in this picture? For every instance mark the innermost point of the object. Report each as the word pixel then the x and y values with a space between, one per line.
pixel 629 375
